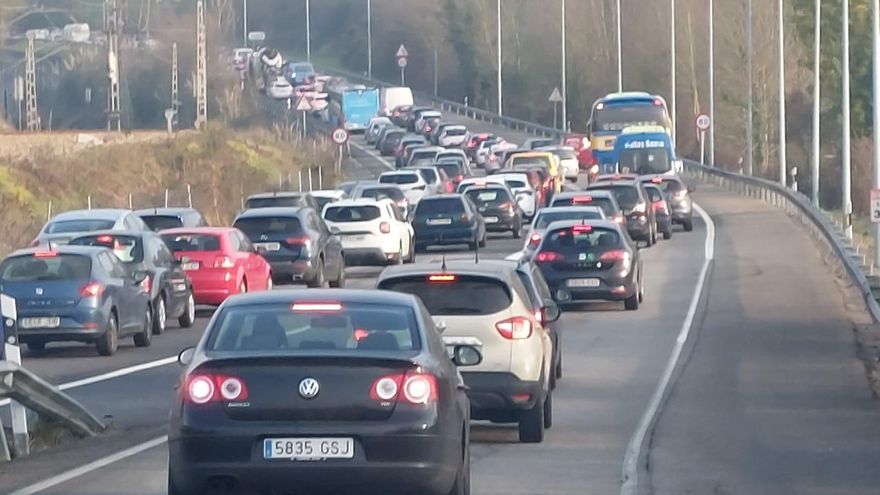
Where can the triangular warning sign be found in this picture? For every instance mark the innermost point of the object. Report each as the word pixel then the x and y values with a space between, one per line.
pixel 556 96
pixel 401 52
pixel 303 105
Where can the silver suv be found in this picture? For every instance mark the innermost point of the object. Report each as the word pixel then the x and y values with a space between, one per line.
pixel 486 305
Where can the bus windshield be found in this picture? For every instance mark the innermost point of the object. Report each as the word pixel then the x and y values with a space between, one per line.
pixel 618 117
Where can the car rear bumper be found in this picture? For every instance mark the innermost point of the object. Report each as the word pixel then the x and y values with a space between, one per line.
pixel 384 462
pixel 610 288
pixel 682 212
pixel 212 288
pixel 367 256
pixel 639 230
pixel 431 237
pixel 85 326
pixel 492 394
pixel 298 270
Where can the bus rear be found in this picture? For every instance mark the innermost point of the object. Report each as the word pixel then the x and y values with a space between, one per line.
pixel 358 107
pixel 618 111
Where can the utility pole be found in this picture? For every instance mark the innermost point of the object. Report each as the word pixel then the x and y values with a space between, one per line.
pixel 112 25
pixel 32 114
pixel 369 39
pixel 308 30
pixel 201 68
pixel 499 57
pixel 564 77
pixel 817 56
pixel 750 154
pixel 244 14
pixel 876 92
pixel 672 68
pixel 783 179
pixel 712 82
pixel 436 73
pixel 847 163
pixel 175 86
pixel 619 51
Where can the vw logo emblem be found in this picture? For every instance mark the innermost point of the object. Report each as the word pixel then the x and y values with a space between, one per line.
pixel 264 237
pixel 309 388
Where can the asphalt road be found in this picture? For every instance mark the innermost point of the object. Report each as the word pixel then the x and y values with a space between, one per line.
pixel 768 396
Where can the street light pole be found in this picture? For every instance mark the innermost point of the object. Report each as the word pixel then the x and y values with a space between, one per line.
pixel 782 158
pixel 672 68
pixel 847 163
pixel 712 82
pixel 619 52
pixel 308 31
pixel 817 45
pixel 245 22
pixel 499 58
pixel 876 92
pixel 369 39
pixel 564 90
pixel 750 153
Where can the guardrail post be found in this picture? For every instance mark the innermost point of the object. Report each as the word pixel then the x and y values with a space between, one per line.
pixel 12 353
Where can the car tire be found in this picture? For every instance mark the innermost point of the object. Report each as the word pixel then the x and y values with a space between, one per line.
pixel 689 225
pixel 318 282
pixel 531 424
pixel 160 315
pixel 188 318
pixel 340 279
pixel 667 234
pixel 517 232
pixel 36 346
pixel 462 484
pixel 145 337
pixel 548 411
pixel 631 303
pixel 109 342
pixel 412 252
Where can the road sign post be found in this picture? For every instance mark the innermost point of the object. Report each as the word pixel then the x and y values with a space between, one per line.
pixel 340 137
pixel 702 122
pixel 875 205
pixel 12 353
pixel 555 99
pixel 402 61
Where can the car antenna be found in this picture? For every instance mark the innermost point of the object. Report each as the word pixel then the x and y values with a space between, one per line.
pixel 443 264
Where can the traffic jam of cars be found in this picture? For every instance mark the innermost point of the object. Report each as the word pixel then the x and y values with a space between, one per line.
pixel 366 389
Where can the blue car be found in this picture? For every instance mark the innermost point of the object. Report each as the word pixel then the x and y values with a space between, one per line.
pixel 78 294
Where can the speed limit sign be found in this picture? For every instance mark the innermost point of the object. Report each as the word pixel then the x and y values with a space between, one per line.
pixel 339 136
pixel 875 205
pixel 703 122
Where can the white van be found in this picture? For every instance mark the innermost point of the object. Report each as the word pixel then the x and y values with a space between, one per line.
pixel 389 98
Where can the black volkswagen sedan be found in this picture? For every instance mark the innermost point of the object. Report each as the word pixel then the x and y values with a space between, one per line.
pixel 331 391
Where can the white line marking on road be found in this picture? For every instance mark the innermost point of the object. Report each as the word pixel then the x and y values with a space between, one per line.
pixel 90 467
pixel 381 159
pixel 111 375
pixel 634 448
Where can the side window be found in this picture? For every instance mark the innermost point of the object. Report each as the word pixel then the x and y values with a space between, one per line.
pixel 113 266
pixel 234 241
pixel 534 297
pixel 318 223
pixel 395 213
pixel 245 243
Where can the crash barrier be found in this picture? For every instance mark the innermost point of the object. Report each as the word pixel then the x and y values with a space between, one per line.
pixel 795 204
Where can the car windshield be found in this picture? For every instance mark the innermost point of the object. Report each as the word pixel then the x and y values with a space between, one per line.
pixel 192 242
pixel 393 193
pixel 654 194
pixel 620 116
pixel 127 248
pixel 399 179
pixel 39 268
pixel 565 154
pixel 273 201
pixel 162 222
pixel 545 218
pixel 347 328
pixel 451 295
pixel 434 206
pixel 352 213
pixel 79 225
pixel 626 196
pixel 256 226
pixel 645 161
pixel 453 131
pixel 452 169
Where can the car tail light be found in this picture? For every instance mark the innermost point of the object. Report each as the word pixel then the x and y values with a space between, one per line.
pixel 659 206
pixel 224 262
pixel 442 278
pixel 385 227
pixel 205 388
pixel 580 200
pixel 464 218
pixel 539 316
pixel 516 328
pixel 105 239
pixel 298 241
pixel 658 102
pixel 548 257
pixel 656 180
pixel 508 206
pixel 640 209
pixel 459 178
pixel 316 307
pixel 413 387
pixel 403 203
pixel 92 289
pixel 534 239
pixel 147 284
pixel 581 229
pixel 427 128
pixel 45 254
pixel 614 255
pixel 619 219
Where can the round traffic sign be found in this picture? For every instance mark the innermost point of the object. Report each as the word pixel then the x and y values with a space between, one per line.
pixel 703 121
pixel 401 62
pixel 339 135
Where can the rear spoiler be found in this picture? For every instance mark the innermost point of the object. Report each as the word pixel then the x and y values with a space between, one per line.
pixel 229 357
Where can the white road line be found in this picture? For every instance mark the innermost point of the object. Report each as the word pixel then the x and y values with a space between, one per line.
pixel 634 448
pixel 90 467
pixel 111 375
pixel 381 159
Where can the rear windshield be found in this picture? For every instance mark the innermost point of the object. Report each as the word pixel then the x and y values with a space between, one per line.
pixel 162 222
pixel 456 132
pixel 604 203
pixel 352 213
pixel 128 249
pixel 452 206
pixel 465 295
pixel 429 175
pixel 393 137
pixel 273 202
pixel 565 154
pixel 30 268
pixel 595 240
pixel 192 242
pixel 488 197
pixel 395 194
pixel 539 143
pixel 255 226
pixel 452 169
pixel 546 218
pixel 526 160
pixel 626 196
pixel 654 194
pixel 82 225
pixel 399 179
pixel 515 183
pixel 345 327
pixel 322 202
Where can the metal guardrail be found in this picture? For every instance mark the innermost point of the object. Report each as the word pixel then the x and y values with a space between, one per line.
pixel 798 205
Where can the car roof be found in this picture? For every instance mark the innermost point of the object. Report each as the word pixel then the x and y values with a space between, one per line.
pixel 357 296
pixel 360 202
pixel 575 194
pixel 101 214
pixel 328 193
pixel 277 194
pixel 275 211
pixel 572 209
pixel 534 154
pixel 497 269
pixel 663 177
pixel 403 171
pixel 115 233
pixel 167 211
pixel 65 249
pixel 562 224
pixel 198 230
pixel 618 182
pixel 432 148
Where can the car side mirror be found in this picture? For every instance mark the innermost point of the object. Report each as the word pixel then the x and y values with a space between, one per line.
pixel 185 357
pixel 440 324
pixel 691 188
pixel 466 355
pixel 551 312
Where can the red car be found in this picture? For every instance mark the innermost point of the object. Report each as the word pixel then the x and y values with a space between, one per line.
pixel 581 144
pixel 220 261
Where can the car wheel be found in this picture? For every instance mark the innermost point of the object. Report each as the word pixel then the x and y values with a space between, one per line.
pixel 631 303
pixel 462 484
pixel 36 346
pixel 517 232
pixel 399 259
pixel 109 342
pixel 160 315
pixel 548 411
pixel 412 252
pixel 531 424
pixel 340 279
pixel 689 225
pixel 318 282
pixel 145 337
pixel 667 234
pixel 472 246
pixel 188 318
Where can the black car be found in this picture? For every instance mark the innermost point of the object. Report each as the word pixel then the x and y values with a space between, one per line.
pixel 76 294
pixel 603 199
pixel 546 309
pixel 498 207
pixel 281 199
pixel 591 259
pixel 388 144
pixel 171 218
pixel 343 392
pixel 297 244
pixel 661 209
pixel 385 133
pixel 169 287
pixel 448 219
pixel 636 208
pixel 678 198
pixel 400 114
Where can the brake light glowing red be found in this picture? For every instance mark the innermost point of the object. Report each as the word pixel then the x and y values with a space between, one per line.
pixel 360 334
pixel 619 219
pixel 385 227
pixel 516 328
pixel 147 284
pixel 316 307
pixel 105 239
pixel 298 241
pixel 614 255
pixel 658 102
pixel 534 239
pixel 657 180
pixel 442 278
pixel 581 229
pixel 548 257
pixel 45 254
pixel 582 200
pixel 92 289
pixel 205 388
pixel 418 388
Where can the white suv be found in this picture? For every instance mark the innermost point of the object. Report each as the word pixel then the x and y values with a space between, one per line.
pixel 372 232
pixel 410 182
pixel 486 305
